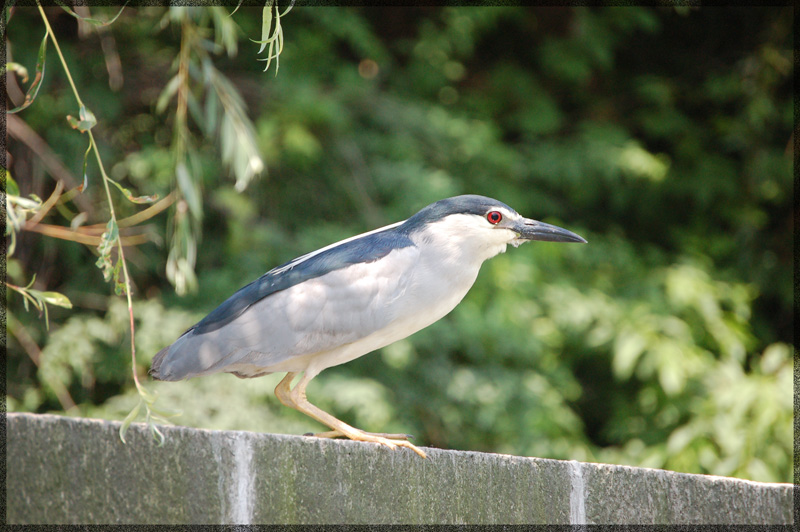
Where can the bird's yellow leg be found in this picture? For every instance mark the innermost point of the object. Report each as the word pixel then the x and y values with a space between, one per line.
pixel 296 398
pixel 283 390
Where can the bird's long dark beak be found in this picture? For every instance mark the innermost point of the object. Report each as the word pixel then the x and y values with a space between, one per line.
pixel 534 230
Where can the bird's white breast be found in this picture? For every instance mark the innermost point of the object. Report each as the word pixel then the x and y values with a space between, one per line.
pixel 434 284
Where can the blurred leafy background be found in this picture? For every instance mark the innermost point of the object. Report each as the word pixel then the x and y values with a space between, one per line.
pixel 664 135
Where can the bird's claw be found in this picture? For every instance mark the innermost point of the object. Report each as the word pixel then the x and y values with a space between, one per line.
pixel 392 441
pixel 394 444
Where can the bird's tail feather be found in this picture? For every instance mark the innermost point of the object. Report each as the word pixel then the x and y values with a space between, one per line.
pixel 158 360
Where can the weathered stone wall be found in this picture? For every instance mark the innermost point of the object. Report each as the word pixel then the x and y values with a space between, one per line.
pixel 65 470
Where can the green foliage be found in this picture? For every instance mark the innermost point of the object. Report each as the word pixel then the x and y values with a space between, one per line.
pixel 662 136
pixel 222 115
pixel 85 122
pixel 36 84
pixel 272 36
pixel 17 210
pixel 39 300
pixel 89 351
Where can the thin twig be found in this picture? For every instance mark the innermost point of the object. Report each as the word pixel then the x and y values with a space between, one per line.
pixel 81 237
pixel 47 205
pixel 120 248
pixel 140 216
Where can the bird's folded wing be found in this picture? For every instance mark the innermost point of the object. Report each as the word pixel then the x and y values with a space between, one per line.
pixel 349 301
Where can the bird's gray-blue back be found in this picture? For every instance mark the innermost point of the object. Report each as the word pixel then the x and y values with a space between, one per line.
pixel 367 249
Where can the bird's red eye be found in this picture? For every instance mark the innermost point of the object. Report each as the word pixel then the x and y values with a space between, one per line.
pixel 494 217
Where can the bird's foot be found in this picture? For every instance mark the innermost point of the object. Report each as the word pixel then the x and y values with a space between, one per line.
pixel 393 441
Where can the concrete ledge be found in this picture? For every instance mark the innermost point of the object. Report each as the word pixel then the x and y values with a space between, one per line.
pixel 65 470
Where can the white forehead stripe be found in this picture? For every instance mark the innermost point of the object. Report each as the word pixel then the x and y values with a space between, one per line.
pixel 505 212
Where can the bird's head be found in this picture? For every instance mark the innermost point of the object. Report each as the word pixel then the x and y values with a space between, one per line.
pixel 481 226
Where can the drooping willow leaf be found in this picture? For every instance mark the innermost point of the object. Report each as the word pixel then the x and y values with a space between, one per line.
pixel 33 90
pixel 93 22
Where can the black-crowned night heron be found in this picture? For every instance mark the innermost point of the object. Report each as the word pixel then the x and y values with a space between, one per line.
pixel 350 298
